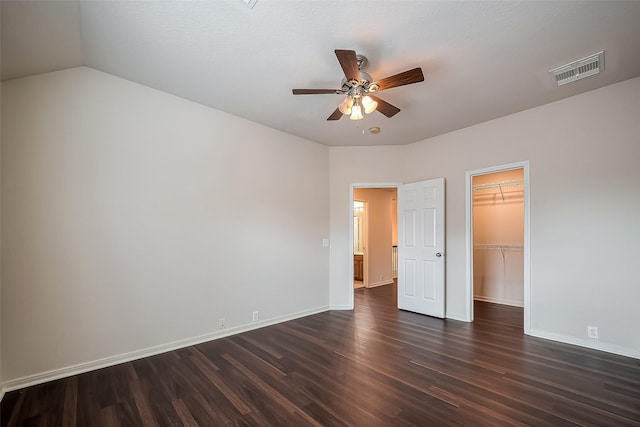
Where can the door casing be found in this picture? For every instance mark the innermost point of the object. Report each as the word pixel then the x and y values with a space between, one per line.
pixel 524 165
pixel 351 188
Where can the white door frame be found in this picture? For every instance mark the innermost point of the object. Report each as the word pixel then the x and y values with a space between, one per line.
pixel 351 188
pixel 524 165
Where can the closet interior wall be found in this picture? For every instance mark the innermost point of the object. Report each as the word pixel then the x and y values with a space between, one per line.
pixel 498 237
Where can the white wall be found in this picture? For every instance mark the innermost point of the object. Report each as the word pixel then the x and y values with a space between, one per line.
pixel 133 218
pixel 349 165
pixel 585 199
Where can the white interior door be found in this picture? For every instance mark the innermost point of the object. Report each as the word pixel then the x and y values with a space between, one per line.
pixel 421 247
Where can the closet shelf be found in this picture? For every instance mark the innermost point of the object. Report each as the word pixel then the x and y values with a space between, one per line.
pixel 482 246
pixel 501 184
pixel 512 185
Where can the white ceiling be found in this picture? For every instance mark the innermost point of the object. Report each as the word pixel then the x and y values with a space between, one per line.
pixel 481 60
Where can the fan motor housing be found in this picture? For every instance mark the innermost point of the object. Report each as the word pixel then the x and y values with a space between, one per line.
pixel 365 81
pixel 365 78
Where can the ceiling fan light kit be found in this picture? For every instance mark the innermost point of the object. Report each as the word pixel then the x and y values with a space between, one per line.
pixel 356 110
pixel 369 104
pixel 359 86
pixel 345 106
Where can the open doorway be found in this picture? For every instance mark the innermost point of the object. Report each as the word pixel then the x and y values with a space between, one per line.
pixel 497 236
pixel 375 230
pixel 417 213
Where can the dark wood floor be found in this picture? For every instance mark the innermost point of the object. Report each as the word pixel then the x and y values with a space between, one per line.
pixel 376 366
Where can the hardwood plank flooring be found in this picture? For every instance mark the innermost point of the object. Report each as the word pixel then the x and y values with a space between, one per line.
pixel 375 366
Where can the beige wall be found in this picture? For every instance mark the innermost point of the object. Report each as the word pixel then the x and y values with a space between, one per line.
pixel 585 195
pixel 133 219
pixel 498 219
pixel 394 219
pixel 380 224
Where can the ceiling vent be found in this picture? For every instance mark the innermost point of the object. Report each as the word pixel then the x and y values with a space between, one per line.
pixel 579 69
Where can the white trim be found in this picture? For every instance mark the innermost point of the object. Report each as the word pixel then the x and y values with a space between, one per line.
pixel 595 345
pixel 349 280
pixel 376 284
pixel 1 393
pixel 80 368
pixel 456 316
pixel 498 301
pixel 524 165
pixel 340 307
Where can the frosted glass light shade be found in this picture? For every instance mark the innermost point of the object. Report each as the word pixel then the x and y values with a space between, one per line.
pixel 345 106
pixel 369 104
pixel 356 112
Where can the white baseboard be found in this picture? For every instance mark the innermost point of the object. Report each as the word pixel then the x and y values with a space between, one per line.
pixel 340 307
pixel 595 345
pixel 80 368
pixel 499 301
pixel 382 283
pixel 1 393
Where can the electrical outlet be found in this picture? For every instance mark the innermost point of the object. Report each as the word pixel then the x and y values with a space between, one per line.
pixel 592 332
pixel 222 323
pixel 381 277
pixel 255 316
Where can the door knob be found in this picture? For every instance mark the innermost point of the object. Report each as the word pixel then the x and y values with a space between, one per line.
pixel 438 254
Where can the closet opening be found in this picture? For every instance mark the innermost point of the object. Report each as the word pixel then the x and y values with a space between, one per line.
pixel 497 233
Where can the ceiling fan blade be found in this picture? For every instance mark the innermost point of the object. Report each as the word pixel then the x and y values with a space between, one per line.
pixel 335 115
pixel 349 64
pixel 317 91
pixel 384 107
pixel 405 78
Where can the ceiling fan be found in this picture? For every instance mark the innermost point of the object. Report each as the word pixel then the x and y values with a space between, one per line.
pixel 359 88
